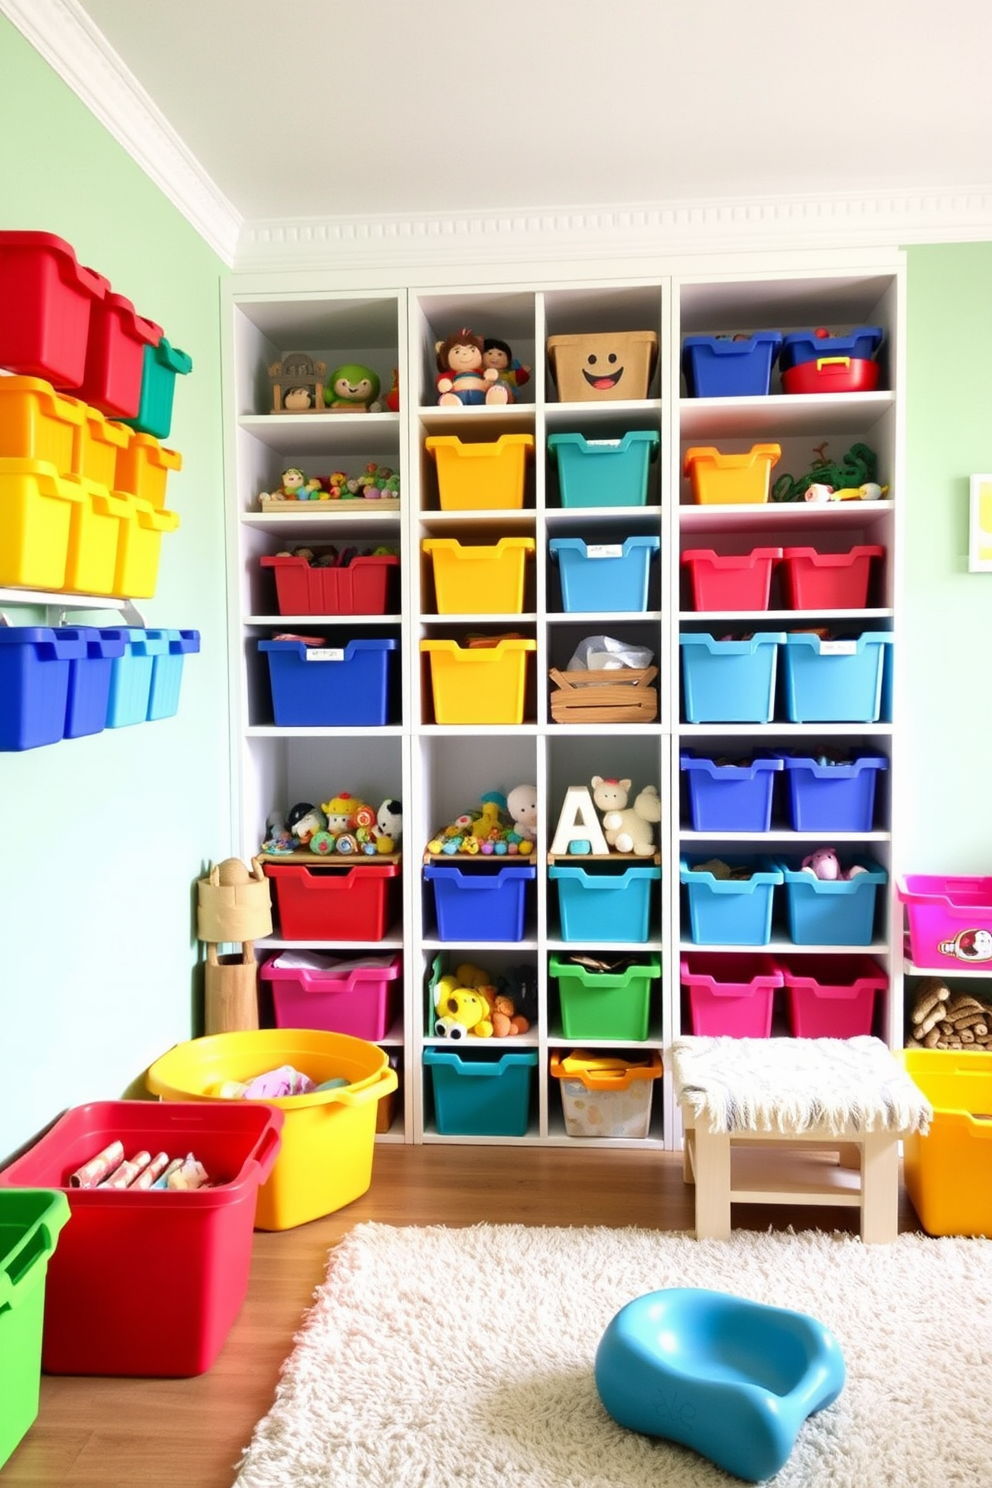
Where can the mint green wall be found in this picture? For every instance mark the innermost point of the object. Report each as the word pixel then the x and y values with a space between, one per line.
pixel 944 820
pixel 104 837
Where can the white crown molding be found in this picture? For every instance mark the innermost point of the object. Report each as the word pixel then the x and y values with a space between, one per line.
pixel 69 42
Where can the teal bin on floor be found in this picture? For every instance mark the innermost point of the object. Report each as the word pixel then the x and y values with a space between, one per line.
pixel 476 1097
pixel 30 1222
pixel 160 367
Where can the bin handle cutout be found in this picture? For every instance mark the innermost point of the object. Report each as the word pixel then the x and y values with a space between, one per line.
pixel 387 1082
pixel 267 1151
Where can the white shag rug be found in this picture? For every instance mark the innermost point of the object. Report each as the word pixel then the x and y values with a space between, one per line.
pixel 463 1358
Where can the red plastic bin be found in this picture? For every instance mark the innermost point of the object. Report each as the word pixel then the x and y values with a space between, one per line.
pixel 327 902
pixel 359 995
pixel 150 1282
pixel 46 304
pixel 839 374
pixel 363 587
pixel 833 996
pixel 731 996
pixel 827 581
pixel 730 582
pixel 115 354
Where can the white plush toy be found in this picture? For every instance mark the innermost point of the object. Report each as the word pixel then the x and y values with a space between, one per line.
pixel 627 828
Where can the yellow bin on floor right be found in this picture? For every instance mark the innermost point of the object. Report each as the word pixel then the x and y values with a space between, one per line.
pixel 328 1137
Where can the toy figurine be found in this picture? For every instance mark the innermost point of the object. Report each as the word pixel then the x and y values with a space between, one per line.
pixel 353 389
pixel 295 487
pixel 462 377
pixel 512 373
pixel 393 396
pixel 388 826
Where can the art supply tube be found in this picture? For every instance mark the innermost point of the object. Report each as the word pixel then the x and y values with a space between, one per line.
pixel 162 1181
pixel 92 1173
pixel 154 1170
pixel 125 1175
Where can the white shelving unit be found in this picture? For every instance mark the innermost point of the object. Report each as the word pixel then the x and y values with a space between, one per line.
pixel 440 771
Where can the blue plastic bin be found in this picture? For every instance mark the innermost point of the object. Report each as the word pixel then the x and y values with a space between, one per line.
pixel 729 681
pixel 89 680
pixel 805 346
pixel 34 684
pixel 160 367
pixel 827 797
pixel 730 911
pixel 131 675
pixel 329 686
pixel 604 907
pixel 727 797
pixel 476 1097
pixel 167 672
pixel 831 912
pixel 604 472
pixel 604 576
pixel 718 367
pixel 834 681
pixel 480 903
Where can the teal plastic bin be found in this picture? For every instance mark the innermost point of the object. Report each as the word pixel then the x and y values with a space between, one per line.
pixel 832 911
pixel 729 681
pixel 604 472
pixel 477 1097
pixel 160 367
pixel 834 680
pixel 604 907
pixel 167 672
pixel 131 675
pixel 730 911
pixel 604 576
pixel 30 1222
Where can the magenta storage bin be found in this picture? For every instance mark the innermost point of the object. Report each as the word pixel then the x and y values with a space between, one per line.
pixel 46 303
pixel 360 995
pixel 730 582
pixel 728 797
pixel 949 918
pixel 730 995
pixel 833 996
pixel 114 357
pixel 827 581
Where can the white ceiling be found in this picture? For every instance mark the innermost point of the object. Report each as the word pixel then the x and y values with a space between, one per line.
pixel 315 110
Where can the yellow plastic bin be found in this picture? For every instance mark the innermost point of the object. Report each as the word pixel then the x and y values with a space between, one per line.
pixel 328 1136
pixel 479 579
pixel 99 520
pixel 97 444
pixel 143 466
pixel 36 513
pixel 480 477
pixel 140 548
pixel 948 1172
pixel 37 423
pixel 727 480
pixel 478 684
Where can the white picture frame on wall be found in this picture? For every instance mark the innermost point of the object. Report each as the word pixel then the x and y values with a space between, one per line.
pixel 980 525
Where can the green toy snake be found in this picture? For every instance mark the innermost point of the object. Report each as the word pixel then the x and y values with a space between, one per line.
pixel 857 467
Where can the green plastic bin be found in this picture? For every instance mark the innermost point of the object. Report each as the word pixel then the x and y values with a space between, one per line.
pixel 160 367
pixel 30 1221
pixel 603 1004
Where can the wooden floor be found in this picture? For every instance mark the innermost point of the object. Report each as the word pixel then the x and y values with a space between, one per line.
pixel 145 1433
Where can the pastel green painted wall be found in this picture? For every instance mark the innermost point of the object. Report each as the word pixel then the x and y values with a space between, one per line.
pixel 944 818
pixel 104 837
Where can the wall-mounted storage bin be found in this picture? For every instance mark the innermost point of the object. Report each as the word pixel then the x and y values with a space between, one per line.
pixel 88 698
pixel 833 996
pixel 828 796
pixel 31 1220
pixel 37 423
pixel 604 907
pixel 728 367
pixel 167 672
pixel 728 910
pixel 36 512
pixel 114 352
pixel 479 579
pixel 362 587
pixel 143 467
pixel 478 684
pixel 98 445
pixel 346 686
pixel 604 1095
pixel 730 480
pixel 604 472
pixel 131 674
pixel 99 531
pixel 327 902
pixel 477 1097
pixel 729 797
pixel 948 1172
pixel 604 366
pixel 730 995
pixel 46 302
pixel 139 552
pixel 605 1004
pixel 161 364
pixel 834 681
pixel 832 911
pixel 730 582
pixel 34 684
pixel 480 903
pixel 827 581
pixel 949 918
pixel 604 576
pixel 729 681
pixel 361 996
pixel 480 477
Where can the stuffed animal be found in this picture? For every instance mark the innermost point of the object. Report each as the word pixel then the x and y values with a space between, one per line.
pixel 388 826
pixel 628 829
pixel 825 864
pixel 521 804
pixel 462 377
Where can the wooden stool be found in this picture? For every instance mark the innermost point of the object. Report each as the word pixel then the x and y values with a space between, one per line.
pixel 794 1121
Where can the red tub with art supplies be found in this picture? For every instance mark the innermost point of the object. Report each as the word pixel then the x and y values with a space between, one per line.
pixel 149 1281
pixel 46 304
pixel 357 995
pixel 949 919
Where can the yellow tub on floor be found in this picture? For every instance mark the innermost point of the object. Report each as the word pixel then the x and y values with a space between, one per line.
pixel 328 1137
pixel 948 1173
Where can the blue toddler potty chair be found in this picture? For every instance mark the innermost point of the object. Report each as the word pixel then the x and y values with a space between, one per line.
pixel 733 1379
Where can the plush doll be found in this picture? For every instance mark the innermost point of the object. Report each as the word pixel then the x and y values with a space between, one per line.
pixel 627 828
pixel 521 804
pixel 295 486
pixel 353 389
pixel 388 826
pixel 461 376
pixel 512 373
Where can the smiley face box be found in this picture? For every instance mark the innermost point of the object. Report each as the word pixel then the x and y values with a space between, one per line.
pixel 603 367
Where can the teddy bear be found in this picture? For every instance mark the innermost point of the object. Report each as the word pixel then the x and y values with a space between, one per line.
pixel 628 829
pixel 521 805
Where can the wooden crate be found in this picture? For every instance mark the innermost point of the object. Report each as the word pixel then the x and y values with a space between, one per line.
pixel 605 697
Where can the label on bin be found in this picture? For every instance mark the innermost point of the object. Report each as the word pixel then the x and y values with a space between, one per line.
pixel 603 443
pixel 604 550
pixel 324 653
pixel 838 648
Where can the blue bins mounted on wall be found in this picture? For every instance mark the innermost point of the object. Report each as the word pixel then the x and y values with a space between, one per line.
pixel 34 684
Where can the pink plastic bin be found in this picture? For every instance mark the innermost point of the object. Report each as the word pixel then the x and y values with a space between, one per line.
pixel 740 582
pixel 833 996
pixel 115 357
pixel 730 996
pixel 950 919
pixel 827 581
pixel 46 301
pixel 360 996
